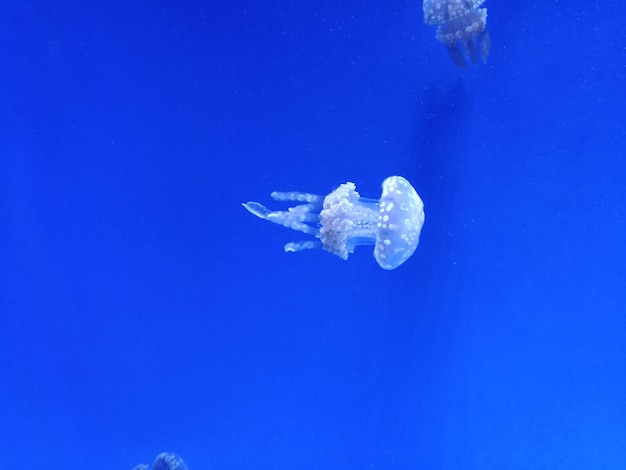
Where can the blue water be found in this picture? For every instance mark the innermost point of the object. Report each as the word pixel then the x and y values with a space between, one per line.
pixel 144 310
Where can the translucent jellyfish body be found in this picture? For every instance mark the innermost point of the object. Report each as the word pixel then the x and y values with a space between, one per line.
pixel 165 461
pixel 343 220
pixel 461 27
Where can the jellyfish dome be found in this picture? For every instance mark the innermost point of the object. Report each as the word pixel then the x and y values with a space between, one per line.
pixel 343 220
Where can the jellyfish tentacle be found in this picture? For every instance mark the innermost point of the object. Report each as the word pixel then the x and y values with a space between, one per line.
pixel 484 40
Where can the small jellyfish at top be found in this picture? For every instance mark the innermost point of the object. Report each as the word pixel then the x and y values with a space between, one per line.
pixel 462 28
pixel 343 220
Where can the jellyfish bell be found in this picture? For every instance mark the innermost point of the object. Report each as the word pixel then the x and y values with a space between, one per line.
pixel 343 220
pixel 400 221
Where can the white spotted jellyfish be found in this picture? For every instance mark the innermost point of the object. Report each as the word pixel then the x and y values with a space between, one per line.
pixel 343 220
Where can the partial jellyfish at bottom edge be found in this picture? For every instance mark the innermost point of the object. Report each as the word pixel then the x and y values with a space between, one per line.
pixel 462 28
pixel 343 220
pixel 165 461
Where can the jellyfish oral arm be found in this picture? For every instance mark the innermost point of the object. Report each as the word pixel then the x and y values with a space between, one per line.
pixel 257 209
pixel 292 247
pixel 302 218
pixel 461 27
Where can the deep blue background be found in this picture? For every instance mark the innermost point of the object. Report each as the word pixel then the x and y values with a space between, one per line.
pixel 142 309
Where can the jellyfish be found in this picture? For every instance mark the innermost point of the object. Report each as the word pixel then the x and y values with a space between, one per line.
pixel 165 461
pixel 343 220
pixel 462 28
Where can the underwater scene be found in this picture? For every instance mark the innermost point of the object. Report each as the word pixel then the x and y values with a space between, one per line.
pixel 293 235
